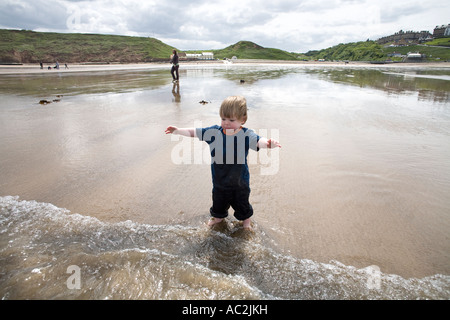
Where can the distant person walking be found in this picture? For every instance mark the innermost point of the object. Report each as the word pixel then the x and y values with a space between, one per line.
pixel 175 65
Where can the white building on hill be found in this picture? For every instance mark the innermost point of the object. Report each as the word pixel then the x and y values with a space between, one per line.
pixel 200 56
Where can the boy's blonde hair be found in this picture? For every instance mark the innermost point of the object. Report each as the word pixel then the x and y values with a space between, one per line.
pixel 234 107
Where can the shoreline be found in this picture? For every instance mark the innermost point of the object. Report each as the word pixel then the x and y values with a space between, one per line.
pixel 33 68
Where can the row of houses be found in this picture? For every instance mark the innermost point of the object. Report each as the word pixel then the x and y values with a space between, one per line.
pixel 441 31
pixel 404 38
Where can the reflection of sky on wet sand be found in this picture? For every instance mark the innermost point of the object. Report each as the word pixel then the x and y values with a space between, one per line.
pixel 435 81
pixel 364 158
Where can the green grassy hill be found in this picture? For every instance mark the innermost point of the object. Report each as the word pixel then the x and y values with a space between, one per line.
pixel 444 42
pixel 433 53
pixel 21 46
pixel 250 50
pixel 354 51
pixel 372 51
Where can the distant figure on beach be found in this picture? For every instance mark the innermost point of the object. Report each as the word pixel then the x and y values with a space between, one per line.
pixel 66 66
pixel 57 65
pixel 175 65
pixel 229 144
pixel 41 65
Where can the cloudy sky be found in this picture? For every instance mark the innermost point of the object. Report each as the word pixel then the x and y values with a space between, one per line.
pixel 291 25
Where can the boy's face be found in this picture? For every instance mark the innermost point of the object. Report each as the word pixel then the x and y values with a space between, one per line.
pixel 231 123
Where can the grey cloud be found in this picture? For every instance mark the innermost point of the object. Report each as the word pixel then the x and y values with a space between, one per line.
pixel 394 13
pixel 33 15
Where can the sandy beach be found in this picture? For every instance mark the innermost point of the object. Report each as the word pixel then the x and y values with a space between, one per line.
pixel 88 67
pixel 362 179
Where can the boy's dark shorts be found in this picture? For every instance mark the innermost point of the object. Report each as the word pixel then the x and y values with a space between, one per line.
pixel 236 198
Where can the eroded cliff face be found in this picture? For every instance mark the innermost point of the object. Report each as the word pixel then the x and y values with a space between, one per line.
pixel 122 56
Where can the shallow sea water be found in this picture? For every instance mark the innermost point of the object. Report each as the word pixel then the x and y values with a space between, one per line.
pixel 353 206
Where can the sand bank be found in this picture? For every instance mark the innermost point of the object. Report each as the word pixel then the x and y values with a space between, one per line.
pixel 89 67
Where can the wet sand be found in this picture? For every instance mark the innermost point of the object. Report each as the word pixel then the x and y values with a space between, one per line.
pixel 89 67
pixel 334 197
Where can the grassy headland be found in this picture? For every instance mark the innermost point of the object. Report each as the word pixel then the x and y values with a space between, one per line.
pixel 22 46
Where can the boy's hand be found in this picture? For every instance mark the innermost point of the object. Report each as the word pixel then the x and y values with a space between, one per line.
pixel 171 129
pixel 273 144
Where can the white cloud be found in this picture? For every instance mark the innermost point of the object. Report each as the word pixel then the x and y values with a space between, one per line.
pixel 290 25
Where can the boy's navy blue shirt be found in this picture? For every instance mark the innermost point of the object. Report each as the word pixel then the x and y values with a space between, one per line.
pixel 229 166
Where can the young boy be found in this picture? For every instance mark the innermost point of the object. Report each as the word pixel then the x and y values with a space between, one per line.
pixel 229 145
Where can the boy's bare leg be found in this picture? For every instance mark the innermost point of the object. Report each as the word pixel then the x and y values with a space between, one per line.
pixel 214 221
pixel 247 224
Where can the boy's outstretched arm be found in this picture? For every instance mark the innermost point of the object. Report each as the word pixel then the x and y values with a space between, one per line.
pixel 188 132
pixel 268 143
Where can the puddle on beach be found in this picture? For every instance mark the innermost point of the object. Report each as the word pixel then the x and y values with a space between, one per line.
pixel 362 180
